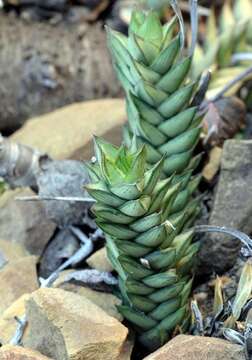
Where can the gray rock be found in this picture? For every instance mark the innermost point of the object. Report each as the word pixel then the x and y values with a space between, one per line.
pixel 62 247
pixel 232 207
pixel 64 178
pixel 24 222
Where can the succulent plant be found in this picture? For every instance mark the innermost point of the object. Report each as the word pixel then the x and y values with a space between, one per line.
pixel 144 188
pixel 222 39
pixel 160 112
pixel 148 236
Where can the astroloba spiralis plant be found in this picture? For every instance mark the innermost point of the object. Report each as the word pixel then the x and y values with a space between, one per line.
pixel 153 74
pixel 143 190
pixel 148 240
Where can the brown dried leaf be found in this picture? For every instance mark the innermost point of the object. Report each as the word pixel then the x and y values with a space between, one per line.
pixel 224 118
pixel 213 165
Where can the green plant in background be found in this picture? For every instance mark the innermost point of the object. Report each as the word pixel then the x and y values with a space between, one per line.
pixel 2 187
pixel 144 191
pixel 224 38
pixel 149 242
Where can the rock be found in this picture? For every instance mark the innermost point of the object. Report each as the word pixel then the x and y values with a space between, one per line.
pixel 67 132
pixel 127 348
pixel 232 206
pixel 54 66
pixel 8 324
pixel 9 352
pixel 61 248
pixel 64 178
pixel 17 278
pixel 184 347
pixel 10 252
pixel 107 302
pixel 99 261
pixel 67 326
pixel 24 222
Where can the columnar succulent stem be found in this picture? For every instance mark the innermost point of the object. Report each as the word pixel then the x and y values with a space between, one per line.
pixel 144 189
pixel 149 245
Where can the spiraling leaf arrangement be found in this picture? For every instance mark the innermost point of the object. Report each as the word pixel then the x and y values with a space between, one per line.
pixel 148 236
pixel 149 65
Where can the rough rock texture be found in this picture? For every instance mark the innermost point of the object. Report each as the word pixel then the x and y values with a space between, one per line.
pixel 9 352
pixel 63 178
pixel 232 206
pixel 10 252
pixel 184 347
pixel 67 133
pixel 47 66
pixel 16 279
pixel 99 261
pixel 24 222
pixel 61 247
pixel 8 324
pixel 67 326
pixel 107 302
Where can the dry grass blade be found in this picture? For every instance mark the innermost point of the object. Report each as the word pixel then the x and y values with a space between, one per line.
pixel 218 297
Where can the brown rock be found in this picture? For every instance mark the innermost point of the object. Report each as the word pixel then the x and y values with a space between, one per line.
pixel 67 132
pixel 184 347
pixel 8 324
pixel 67 326
pixel 24 222
pixel 107 302
pixel 16 279
pixel 10 252
pixel 99 261
pixel 54 65
pixel 9 352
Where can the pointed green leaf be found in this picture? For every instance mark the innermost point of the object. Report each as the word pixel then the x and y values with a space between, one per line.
pixel 167 56
pixel 161 258
pixel 111 214
pixel 142 303
pixel 153 237
pixel 100 192
pixel 137 207
pixel 171 81
pixel 130 248
pixel 161 280
pixel 137 317
pixel 146 222
pixel 167 293
pixel 137 287
pixel 179 123
pixel 172 320
pixel 176 101
pixel 117 231
pixel 133 268
pixel 165 309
